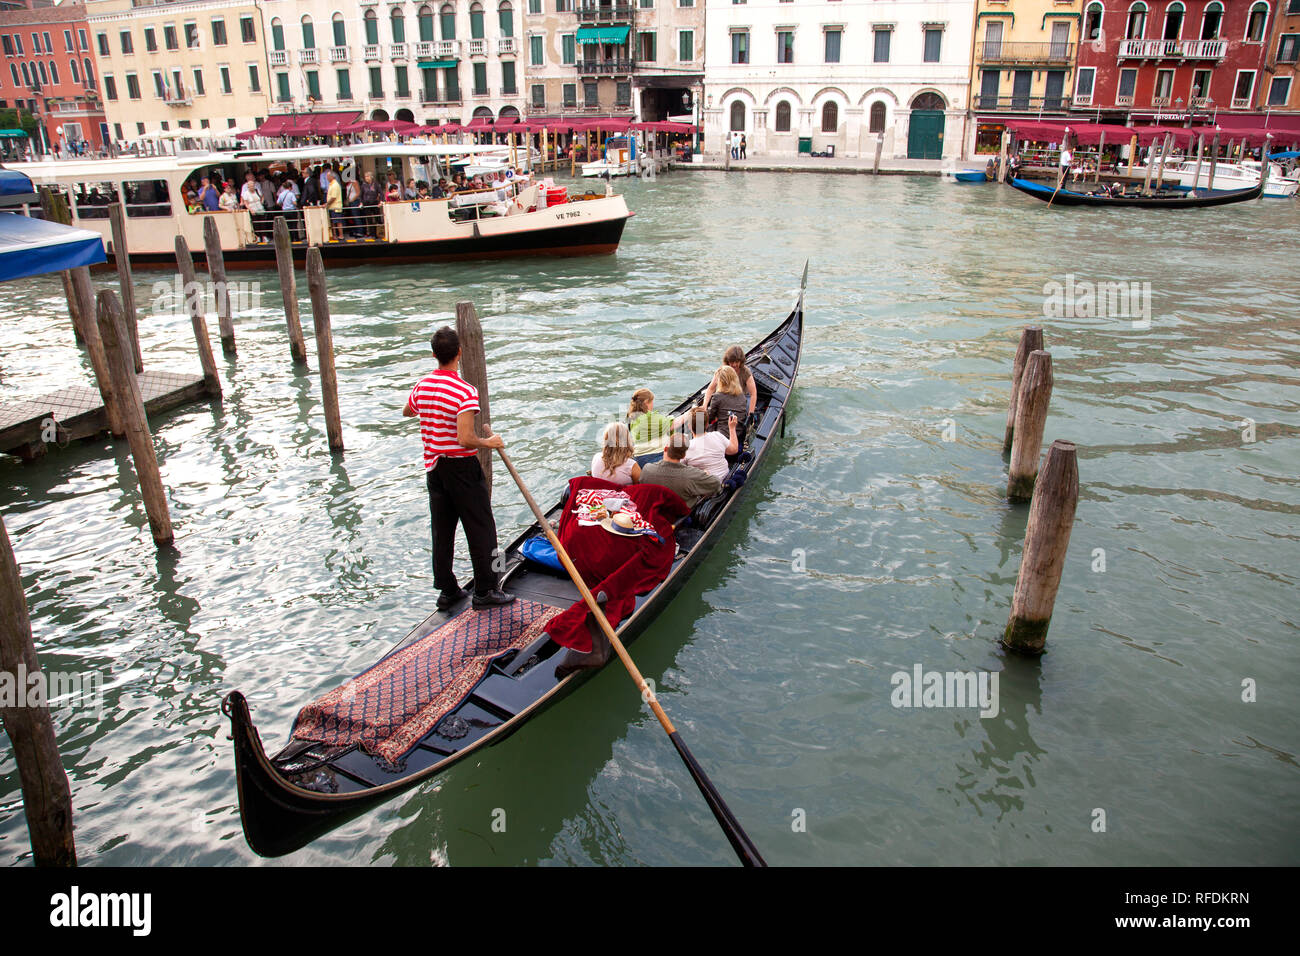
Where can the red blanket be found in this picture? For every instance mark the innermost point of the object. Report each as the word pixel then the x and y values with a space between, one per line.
pixel 622 567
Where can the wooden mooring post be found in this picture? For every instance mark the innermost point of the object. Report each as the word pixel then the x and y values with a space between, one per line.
pixel 112 331
pixel 95 348
pixel 55 209
pixel 473 369
pixel 1047 537
pixel 1031 340
pixel 47 799
pixel 194 303
pixel 1031 419
pixel 221 288
pixel 880 145
pixel 289 290
pixel 329 383
pixel 125 281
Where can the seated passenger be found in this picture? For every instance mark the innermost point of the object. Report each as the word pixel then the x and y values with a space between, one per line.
pixel 709 449
pixel 735 358
pixel 729 399
pixel 614 462
pixel 228 202
pixel 686 481
pixel 648 427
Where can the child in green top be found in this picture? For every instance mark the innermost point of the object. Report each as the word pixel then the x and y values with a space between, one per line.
pixel 649 428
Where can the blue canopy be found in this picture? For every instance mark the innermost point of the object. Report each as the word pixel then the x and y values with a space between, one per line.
pixel 1289 154
pixel 14 183
pixel 30 247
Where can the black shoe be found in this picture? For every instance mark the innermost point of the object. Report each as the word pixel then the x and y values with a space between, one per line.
pixel 448 598
pixel 494 598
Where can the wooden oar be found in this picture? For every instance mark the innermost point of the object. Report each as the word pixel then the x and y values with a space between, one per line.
pixel 740 841
pixel 1059 184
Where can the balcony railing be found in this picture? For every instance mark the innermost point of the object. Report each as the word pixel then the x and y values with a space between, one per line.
pixel 506 46
pixel 439 99
pixel 1083 99
pixel 509 91
pixel 1241 102
pixel 1172 49
pixel 477 47
pixel 279 58
pixel 340 54
pixel 308 57
pixel 605 67
pixel 1161 100
pixel 535 108
pixel 482 91
pixel 371 53
pixel 424 50
pixel 445 49
pixel 284 99
pixel 1027 104
pixel 1004 52
pixel 1200 102
pixel 397 51
pixel 605 13
pixel 1123 99
pixel 173 99
pixel 402 95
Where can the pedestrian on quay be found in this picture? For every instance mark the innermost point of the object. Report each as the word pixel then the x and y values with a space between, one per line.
pixel 458 490
pixel 742 145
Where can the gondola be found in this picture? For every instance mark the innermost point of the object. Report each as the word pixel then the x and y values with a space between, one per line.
pixel 307 789
pixel 1163 200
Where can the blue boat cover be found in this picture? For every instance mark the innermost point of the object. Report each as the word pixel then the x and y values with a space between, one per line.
pixel 30 247
pixel 14 183
pixel 1289 154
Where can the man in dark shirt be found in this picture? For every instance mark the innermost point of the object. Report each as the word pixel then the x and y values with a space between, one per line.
pixel 690 484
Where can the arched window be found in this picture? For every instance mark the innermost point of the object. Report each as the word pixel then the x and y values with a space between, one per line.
pixel 13 69
pixel 27 80
pixel 830 118
pixel 54 73
pixel 308 34
pixel 277 34
pixel 783 117
pixel 426 24
pixel 508 112
pixel 45 77
pixel 506 14
pixel 1137 22
pixel 1212 22
pixel 1092 21
pixel 476 21
pixel 1174 21
pixel 399 25
pixel 877 122
pixel 1257 23
pixel 340 30
pixel 76 74
pixel 929 101
pixel 737 116
pixel 371 22
pixel 87 72
pixel 448 17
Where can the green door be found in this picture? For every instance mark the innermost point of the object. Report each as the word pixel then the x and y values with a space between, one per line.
pixel 925 135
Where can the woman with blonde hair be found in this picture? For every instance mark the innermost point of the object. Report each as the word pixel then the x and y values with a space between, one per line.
pixel 734 358
pixel 649 429
pixel 614 462
pixel 729 399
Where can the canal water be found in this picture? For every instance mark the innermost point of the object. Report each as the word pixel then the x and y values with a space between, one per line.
pixel 1160 728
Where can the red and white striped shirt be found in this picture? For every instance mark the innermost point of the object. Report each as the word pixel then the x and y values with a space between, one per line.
pixel 437 399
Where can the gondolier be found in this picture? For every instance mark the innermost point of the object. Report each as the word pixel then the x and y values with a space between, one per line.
pixel 458 492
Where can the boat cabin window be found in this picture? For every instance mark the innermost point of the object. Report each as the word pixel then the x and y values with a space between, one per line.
pixel 147 198
pixel 93 199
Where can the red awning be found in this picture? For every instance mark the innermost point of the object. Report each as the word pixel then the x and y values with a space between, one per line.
pixel 1248 137
pixel 507 121
pixel 480 122
pixel 664 126
pixel 304 124
pixel 1156 134
pixel 605 125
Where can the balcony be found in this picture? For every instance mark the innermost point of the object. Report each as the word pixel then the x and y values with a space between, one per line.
pixel 397 51
pixel 284 99
pixel 477 47
pixel 340 54
pixel 1027 53
pixel 482 91
pixel 606 67
pixel 402 95
pixel 436 99
pixel 1083 99
pixel 1022 104
pixel 509 91
pixel 535 108
pixel 345 97
pixel 1123 99
pixel 1161 101
pixel 371 53
pixel 279 58
pixel 1241 102
pixel 1200 102
pixel 424 50
pixel 1172 49
pixel 446 49
pixel 605 12
pixel 308 57
pixel 506 46
pixel 173 99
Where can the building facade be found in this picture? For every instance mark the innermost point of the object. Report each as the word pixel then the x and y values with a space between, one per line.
pixel 435 62
pixel 198 64
pixel 641 60
pixel 1174 61
pixel 1281 91
pixel 50 71
pixel 1022 64
pixel 801 77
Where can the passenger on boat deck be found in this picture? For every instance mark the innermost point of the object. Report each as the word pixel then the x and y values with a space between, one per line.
pixel 229 202
pixel 410 192
pixel 249 196
pixel 334 205
pixel 614 462
pixel 287 199
pixel 311 192
pixel 709 450
pixel 267 189
pixel 729 399
pixel 648 428
pixel 689 483
pixel 422 192
pixel 208 196
pixel 735 358
pixel 393 191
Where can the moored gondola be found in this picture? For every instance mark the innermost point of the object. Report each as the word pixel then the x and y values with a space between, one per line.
pixel 308 787
pixel 1162 200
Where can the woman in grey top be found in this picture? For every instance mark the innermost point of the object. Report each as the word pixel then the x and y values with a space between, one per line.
pixel 729 399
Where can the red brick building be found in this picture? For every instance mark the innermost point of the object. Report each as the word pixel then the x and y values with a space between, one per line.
pixel 1177 62
pixel 48 68
pixel 1280 93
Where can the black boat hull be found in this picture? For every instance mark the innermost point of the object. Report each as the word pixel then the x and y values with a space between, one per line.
pixel 1066 197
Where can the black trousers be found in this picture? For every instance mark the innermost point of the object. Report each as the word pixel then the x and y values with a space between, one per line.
pixel 458 492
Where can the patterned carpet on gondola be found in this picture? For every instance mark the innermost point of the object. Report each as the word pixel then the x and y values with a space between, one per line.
pixel 388 708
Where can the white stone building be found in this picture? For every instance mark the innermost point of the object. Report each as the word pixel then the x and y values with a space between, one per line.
pixel 444 60
pixel 819 74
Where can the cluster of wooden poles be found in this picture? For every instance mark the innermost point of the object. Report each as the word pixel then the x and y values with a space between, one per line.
pixel 1053 493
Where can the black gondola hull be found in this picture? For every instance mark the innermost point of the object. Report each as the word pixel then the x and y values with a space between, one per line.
pixel 1066 197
